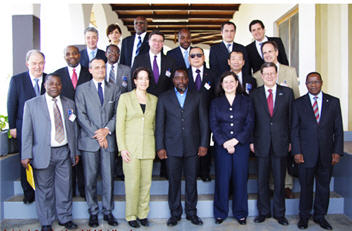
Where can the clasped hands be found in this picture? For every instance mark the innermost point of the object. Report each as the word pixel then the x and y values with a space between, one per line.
pixel 100 136
pixel 230 145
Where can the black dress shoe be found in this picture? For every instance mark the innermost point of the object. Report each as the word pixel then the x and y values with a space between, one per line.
pixel 172 221
pixel 302 223
pixel 69 225
pixel 261 218
pixel 218 220
pixel 93 221
pixel 206 178
pixel 282 220
pixel 133 224
pixel 144 221
pixel 242 221
pixel 46 228
pixel 110 219
pixel 195 220
pixel 323 223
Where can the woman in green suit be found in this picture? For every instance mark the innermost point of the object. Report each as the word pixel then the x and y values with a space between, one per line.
pixel 135 123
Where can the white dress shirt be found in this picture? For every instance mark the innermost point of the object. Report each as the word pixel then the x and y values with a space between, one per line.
pixel 158 60
pixel 240 78
pixel 229 48
pixel 194 73
pixel 273 92
pixel 135 43
pixel 259 47
pixel 319 100
pixel 108 68
pixel 77 69
pixel 96 85
pixel 39 82
pixel 89 51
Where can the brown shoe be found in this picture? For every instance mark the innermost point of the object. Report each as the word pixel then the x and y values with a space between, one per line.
pixel 288 193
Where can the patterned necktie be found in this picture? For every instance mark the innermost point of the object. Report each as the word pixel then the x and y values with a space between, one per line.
pixel 229 47
pixel 316 109
pixel 59 126
pixel 186 59
pixel 270 102
pixel 74 78
pixel 155 70
pixel 100 93
pixel 36 87
pixel 139 45
pixel 112 75
pixel 92 55
pixel 198 80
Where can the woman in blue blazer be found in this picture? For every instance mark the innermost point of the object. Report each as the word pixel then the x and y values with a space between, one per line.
pixel 231 121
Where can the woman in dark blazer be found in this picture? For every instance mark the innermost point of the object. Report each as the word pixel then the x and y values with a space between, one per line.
pixel 231 121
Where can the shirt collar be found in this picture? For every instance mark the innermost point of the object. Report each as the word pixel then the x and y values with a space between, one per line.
pixel 178 93
pixel 32 77
pixel 89 50
pixel 273 88
pixel 50 99
pixel 319 95
pixel 77 68
pixel 151 54
pixel 200 68
pixel 265 39
pixel 142 36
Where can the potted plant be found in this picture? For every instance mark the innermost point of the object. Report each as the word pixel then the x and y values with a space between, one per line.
pixel 3 135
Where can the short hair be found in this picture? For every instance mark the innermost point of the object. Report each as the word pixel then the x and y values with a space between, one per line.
pixel 96 58
pixel 181 70
pixel 255 21
pixel 91 29
pixel 267 64
pixel 184 28
pixel 33 51
pixel 273 43
pixel 112 45
pixel 314 73
pixel 49 76
pixel 220 91
pixel 236 51
pixel 157 32
pixel 228 23
pixel 139 69
pixel 70 46
pixel 111 28
pixel 196 48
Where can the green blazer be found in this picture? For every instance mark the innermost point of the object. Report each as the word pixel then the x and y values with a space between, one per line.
pixel 135 130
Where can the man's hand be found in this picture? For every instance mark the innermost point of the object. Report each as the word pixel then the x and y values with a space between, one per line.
pixel 101 134
pixel 231 150
pixel 335 158
pixel 13 132
pixel 251 147
pixel 202 151
pixel 125 156
pixel 76 161
pixel 299 158
pixel 162 154
pixel 25 163
pixel 103 143
pixel 289 147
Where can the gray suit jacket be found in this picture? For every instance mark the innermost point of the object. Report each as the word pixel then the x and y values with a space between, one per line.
pixel 36 131
pixel 122 79
pixel 93 116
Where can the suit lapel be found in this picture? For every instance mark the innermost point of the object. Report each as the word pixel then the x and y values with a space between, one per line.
pixel 324 109
pixel 180 56
pixel 107 93
pixel 136 104
pixel 309 106
pixel 262 97
pixel 191 84
pixel 278 100
pixel 28 86
pixel 65 112
pixel 188 98
pixel 162 64
pixel 68 79
pixel 44 108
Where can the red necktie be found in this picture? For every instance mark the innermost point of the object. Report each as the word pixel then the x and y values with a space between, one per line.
pixel 270 102
pixel 74 78
pixel 316 109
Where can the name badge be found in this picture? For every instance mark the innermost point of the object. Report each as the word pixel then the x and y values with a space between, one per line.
pixel 284 83
pixel 168 73
pixel 71 115
pixel 248 87
pixel 207 86
pixel 124 81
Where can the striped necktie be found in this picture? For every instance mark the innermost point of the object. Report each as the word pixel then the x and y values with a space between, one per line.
pixel 36 87
pixel 316 109
pixel 59 126
pixel 139 45
pixel 112 75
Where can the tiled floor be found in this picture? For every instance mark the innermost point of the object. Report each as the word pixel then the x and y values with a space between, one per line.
pixel 338 222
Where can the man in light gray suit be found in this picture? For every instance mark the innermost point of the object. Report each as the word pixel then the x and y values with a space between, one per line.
pixel 49 143
pixel 96 111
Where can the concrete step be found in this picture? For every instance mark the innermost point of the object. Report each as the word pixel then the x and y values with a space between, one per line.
pixel 15 209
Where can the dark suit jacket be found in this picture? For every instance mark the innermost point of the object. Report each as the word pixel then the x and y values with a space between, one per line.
pixel 273 131
pixel 67 87
pixel 218 58
pixel 177 55
pixel 166 73
pixel 20 90
pixel 181 131
pixel 312 139
pixel 127 49
pixel 209 80
pixel 248 83
pixel 84 61
pixel 255 61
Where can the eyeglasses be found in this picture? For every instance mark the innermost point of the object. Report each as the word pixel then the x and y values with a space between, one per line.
pixel 194 55
pixel 313 82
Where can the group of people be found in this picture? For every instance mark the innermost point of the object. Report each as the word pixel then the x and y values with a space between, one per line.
pixel 139 104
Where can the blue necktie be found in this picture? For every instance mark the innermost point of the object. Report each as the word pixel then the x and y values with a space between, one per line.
pixel 100 93
pixel 139 45
pixel 186 59
pixel 229 47
pixel 36 87
pixel 92 55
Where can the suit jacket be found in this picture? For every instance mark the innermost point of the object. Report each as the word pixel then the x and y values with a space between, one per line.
pixel 20 90
pixel 135 129
pixel 287 77
pixel 312 139
pixel 272 131
pixel 177 55
pixel 208 85
pixel 248 83
pixel 166 73
pixel 181 131
pixel 219 55
pixel 256 61
pixel 84 61
pixel 127 49
pixel 123 80
pixel 37 131
pixel 67 87
pixel 93 116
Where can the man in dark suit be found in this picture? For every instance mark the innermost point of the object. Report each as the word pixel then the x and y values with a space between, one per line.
pixel 236 63
pixel 91 37
pixel 23 87
pixel 182 134
pixel 71 76
pixel 96 112
pixel 50 134
pixel 255 55
pixel 272 107
pixel 219 52
pixel 181 53
pixel 317 144
pixel 135 44
pixel 202 80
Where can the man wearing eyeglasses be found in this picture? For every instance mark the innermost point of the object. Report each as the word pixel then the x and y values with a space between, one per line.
pixel 204 81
